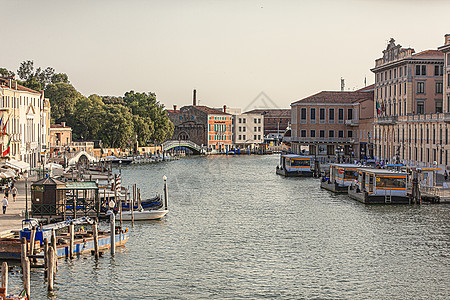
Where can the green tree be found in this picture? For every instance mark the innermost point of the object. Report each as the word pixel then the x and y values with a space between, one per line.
pixel 117 126
pixel 26 70
pixel 6 73
pixel 87 120
pixel 63 98
pixel 60 77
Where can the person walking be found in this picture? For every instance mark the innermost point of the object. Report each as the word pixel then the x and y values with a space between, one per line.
pixel 14 193
pixel 445 175
pixel 4 204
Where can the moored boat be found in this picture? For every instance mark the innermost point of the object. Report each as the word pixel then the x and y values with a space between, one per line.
pixel 144 215
pixel 341 176
pixel 293 165
pixel 379 186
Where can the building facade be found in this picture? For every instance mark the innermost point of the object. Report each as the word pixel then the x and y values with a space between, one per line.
pixel 409 123
pixel 248 130
pixel 275 121
pixel 334 123
pixel 25 116
pixel 205 126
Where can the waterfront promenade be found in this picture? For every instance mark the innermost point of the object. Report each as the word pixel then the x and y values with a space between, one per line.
pixel 13 217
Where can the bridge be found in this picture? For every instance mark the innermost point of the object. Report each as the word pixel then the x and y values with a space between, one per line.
pixel 82 157
pixel 170 144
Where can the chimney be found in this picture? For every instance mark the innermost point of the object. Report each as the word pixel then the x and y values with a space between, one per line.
pixel 224 108
pixel 194 100
pixel 175 108
pixel 447 39
pixel 63 124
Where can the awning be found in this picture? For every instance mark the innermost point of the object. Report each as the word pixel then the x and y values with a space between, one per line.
pixel 7 173
pixel 18 165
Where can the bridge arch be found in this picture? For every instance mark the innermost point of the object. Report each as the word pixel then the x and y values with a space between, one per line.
pixel 171 144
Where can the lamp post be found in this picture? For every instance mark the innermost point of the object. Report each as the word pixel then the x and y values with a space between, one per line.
pixel 25 174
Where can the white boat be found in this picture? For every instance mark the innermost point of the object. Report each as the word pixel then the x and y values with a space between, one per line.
pixel 144 215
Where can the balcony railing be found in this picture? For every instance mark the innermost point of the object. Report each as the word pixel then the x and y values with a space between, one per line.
pixel 353 122
pixel 322 140
pixel 386 120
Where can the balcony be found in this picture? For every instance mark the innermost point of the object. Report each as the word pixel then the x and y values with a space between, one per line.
pixel 352 123
pixel 386 120
pixel 446 117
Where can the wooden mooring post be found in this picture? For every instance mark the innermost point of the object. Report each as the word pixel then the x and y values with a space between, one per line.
pixel 26 276
pixel 45 257
pixel 51 268
pixel 95 231
pixel 113 233
pixel 166 194
pixel 23 252
pixel 5 277
pixel 32 238
pixel 72 236
pixel 132 206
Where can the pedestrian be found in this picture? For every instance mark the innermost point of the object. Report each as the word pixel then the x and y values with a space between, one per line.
pixel 7 192
pixel 445 175
pixel 14 192
pixel 5 204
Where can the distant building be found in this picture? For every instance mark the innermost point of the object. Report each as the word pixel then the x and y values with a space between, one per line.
pixel 275 120
pixel 60 135
pixel 334 123
pixel 205 126
pixel 248 130
pixel 410 124
pixel 26 114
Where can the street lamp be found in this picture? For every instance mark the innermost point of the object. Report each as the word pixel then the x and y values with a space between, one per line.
pixel 25 174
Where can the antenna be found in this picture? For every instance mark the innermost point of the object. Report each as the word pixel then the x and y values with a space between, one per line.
pixel 342 84
pixel 365 80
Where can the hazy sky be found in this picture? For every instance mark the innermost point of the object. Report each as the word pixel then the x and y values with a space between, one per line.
pixel 230 51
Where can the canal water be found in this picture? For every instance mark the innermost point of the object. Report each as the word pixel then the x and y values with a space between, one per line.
pixel 236 230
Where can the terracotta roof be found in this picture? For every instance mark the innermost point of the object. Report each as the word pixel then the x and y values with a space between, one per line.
pixel 337 97
pixel 271 112
pixel 429 53
pixel 5 81
pixel 59 126
pixel 367 88
pixel 209 110
pixel 171 111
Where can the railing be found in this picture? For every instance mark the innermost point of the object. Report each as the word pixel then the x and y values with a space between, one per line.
pixel 386 120
pixel 322 140
pixel 181 143
pixel 435 190
pixel 353 122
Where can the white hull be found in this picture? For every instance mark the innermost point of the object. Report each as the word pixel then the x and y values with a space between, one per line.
pixel 144 215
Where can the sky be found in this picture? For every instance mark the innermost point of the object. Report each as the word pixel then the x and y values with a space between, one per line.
pixel 231 52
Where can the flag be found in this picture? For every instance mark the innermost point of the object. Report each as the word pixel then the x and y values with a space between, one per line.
pixel 1 120
pixel 378 108
pixel 4 126
pixel 6 152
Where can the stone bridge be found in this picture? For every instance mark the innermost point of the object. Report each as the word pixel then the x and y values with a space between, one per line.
pixel 170 144
pixel 78 157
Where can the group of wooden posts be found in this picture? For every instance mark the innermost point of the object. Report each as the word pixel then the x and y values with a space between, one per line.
pixel 135 198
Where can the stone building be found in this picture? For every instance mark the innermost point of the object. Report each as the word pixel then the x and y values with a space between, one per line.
pixel 275 121
pixel 334 123
pixel 409 122
pixel 248 130
pixel 60 135
pixel 25 115
pixel 205 126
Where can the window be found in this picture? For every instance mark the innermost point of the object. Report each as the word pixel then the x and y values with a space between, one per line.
pixel 303 115
pixel 350 134
pixel 259 121
pixel 259 128
pixel 400 72
pixel 240 137
pixel 243 137
pixel 243 129
pixel 438 70
pixel 438 105
pixel 313 115
pixel 400 89
pixel 350 114
pixel 331 115
pixel 254 129
pixel 312 133
pixel 254 137
pixel 240 128
pixel 390 74
pixel 244 120
pixel 395 73
pixel 381 76
pixel 322 133
pixel 341 115
pixel 421 70
pixel 341 133
pixel 420 107
pixel 259 136
pixel 303 133
pixel 322 115
pixel 438 87
pixel 331 133
pixel 420 87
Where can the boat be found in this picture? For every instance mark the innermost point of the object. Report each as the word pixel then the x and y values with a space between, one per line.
pixel 293 165
pixel 117 160
pixel 341 176
pixel 379 186
pixel 10 248
pixel 152 203
pixel 144 215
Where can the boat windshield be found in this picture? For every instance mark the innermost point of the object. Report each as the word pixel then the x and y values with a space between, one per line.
pixel 391 182
pixel 299 162
pixel 351 174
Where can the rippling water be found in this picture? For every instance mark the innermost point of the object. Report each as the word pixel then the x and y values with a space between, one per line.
pixel 236 230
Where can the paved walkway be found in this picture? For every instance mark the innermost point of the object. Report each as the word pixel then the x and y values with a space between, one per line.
pixel 12 220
